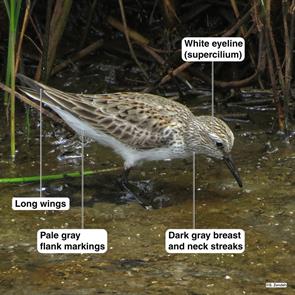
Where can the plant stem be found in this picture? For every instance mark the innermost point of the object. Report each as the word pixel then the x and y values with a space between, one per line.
pixel 57 25
pixel 21 37
pixel 54 176
pixel 12 36
pixel 132 53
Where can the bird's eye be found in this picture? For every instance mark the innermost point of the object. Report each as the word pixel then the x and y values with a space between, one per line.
pixel 219 144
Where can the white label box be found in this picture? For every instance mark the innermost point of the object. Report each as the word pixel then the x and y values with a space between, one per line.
pixel 276 285
pixel 72 241
pixel 208 49
pixel 205 241
pixel 37 203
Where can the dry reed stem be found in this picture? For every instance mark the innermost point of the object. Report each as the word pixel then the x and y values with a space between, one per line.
pixel 82 53
pixel 88 23
pixel 170 13
pixel 289 46
pixel 274 49
pixel 57 25
pixel 132 33
pixel 32 104
pixel 175 72
pixel 126 33
pixel 21 36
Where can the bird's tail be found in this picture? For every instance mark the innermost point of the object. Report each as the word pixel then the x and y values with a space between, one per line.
pixel 31 88
pixel 52 97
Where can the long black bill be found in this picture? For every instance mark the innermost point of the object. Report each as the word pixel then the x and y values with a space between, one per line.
pixel 231 166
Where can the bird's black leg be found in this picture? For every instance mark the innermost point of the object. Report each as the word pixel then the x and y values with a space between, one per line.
pixel 133 190
pixel 124 178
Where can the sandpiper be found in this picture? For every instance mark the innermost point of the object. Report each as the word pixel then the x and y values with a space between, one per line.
pixel 139 126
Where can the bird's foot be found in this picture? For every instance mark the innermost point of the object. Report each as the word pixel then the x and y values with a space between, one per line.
pixel 135 193
pixel 143 192
pixel 161 201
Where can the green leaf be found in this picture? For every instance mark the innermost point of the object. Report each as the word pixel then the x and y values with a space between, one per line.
pixel 17 12
pixel 7 8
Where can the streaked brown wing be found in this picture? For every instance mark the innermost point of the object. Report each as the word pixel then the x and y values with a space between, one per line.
pixel 141 120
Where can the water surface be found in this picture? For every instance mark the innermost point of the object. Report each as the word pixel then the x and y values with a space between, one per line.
pixel 136 262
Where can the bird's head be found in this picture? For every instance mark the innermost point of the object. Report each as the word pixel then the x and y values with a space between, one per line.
pixel 215 139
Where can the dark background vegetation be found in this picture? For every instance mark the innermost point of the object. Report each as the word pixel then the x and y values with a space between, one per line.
pixel 47 38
